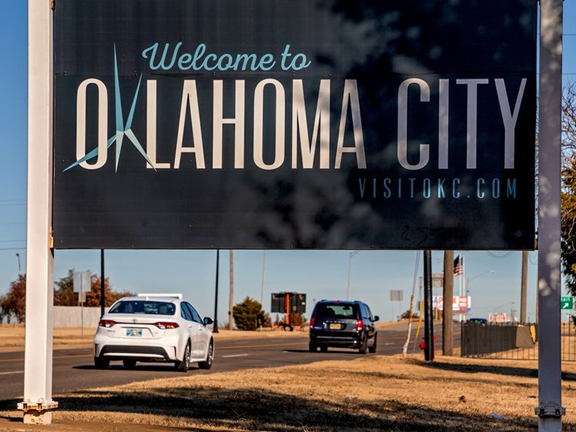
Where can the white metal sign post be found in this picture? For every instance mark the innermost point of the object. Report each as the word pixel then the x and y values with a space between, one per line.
pixel 550 408
pixel 38 403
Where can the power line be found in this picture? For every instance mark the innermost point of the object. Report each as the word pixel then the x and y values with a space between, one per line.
pixel 564 73
pixel 12 203
pixel 499 256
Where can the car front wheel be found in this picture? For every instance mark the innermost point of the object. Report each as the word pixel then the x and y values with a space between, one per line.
pixel 184 364
pixel 209 357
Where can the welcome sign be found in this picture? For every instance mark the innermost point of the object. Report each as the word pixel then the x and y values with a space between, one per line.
pixel 333 124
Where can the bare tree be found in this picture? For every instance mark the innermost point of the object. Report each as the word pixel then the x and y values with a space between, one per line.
pixel 568 194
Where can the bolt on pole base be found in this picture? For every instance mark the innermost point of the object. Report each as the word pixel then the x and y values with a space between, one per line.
pixel 550 411
pixel 38 413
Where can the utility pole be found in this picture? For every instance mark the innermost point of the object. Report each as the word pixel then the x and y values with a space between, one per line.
pixel 428 317
pixel 523 287
pixel 102 285
pixel 448 294
pixel 215 330
pixel 263 278
pixel 231 304
pixel 19 269
pixel 350 256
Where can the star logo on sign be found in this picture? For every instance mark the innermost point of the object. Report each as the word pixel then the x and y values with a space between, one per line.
pixel 122 130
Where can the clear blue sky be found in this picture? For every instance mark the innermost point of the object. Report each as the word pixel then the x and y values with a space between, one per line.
pixel 494 277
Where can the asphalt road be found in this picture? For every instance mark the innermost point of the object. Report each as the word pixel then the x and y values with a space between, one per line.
pixel 73 369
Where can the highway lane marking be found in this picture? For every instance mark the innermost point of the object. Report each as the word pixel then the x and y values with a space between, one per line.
pixel 9 373
pixel 235 355
pixel 12 360
pixel 55 357
pixel 258 346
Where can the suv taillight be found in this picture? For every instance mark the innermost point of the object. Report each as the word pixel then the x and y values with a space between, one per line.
pixel 106 323
pixel 312 322
pixel 166 325
pixel 359 325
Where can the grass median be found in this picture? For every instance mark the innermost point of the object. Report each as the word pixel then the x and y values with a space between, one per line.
pixel 374 393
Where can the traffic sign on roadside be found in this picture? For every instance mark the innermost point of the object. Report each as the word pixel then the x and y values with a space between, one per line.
pixel 567 303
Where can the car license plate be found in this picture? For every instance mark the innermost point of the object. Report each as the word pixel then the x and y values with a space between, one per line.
pixel 334 326
pixel 131 332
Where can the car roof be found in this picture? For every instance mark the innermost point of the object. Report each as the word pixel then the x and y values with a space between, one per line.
pixel 340 301
pixel 171 295
pixel 153 298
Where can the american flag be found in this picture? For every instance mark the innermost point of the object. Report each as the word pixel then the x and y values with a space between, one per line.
pixel 458 265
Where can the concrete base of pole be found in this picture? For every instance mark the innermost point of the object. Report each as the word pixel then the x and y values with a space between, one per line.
pixel 38 413
pixel 38 417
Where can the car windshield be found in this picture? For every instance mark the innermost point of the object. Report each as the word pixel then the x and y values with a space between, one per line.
pixel 143 307
pixel 336 311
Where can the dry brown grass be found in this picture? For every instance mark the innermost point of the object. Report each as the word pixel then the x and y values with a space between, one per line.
pixel 366 394
pixel 374 393
pixel 12 336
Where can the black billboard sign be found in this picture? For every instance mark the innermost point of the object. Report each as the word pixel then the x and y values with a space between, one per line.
pixel 329 124
pixel 296 302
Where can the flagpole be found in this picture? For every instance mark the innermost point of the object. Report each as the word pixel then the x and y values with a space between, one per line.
pixel 460 284
pixel 464 313
pixel 462 275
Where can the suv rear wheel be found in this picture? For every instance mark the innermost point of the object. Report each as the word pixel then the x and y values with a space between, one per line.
pixel 364 347
pixel 312 347
pixel 372 348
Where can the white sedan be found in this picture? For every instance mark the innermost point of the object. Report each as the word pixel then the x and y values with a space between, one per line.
pixel 153 328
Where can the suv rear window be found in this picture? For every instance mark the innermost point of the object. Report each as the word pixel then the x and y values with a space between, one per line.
pixel 143 307
pixel 337 310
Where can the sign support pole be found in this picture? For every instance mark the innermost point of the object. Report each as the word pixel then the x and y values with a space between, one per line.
pixel 428 317
pixel 550 408
pixel 38 403
pixel 448 312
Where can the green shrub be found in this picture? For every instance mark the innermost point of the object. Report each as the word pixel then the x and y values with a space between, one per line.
pixel 249 314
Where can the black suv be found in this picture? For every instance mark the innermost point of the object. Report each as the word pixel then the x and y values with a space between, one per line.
pixel 343 324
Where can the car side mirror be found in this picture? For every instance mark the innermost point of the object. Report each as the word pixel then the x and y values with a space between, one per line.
pixel 376 318
pixel 208 321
